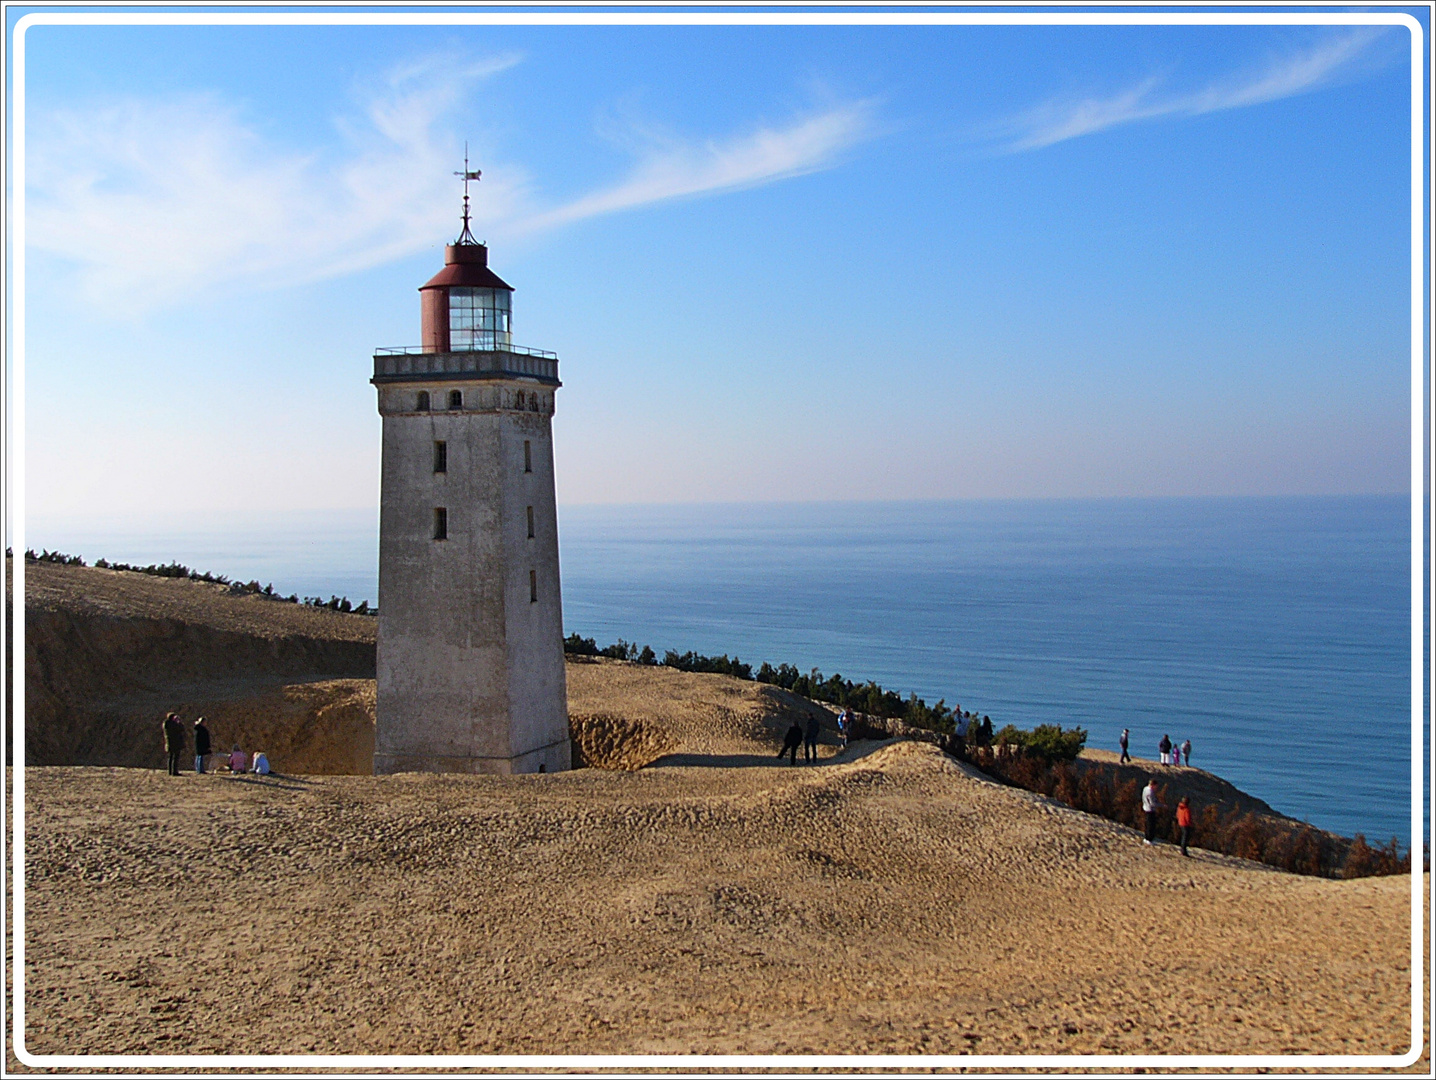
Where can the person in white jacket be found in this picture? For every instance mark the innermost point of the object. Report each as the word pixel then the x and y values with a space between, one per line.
pixel 1150 806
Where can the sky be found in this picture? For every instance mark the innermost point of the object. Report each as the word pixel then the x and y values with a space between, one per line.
pixel 777 263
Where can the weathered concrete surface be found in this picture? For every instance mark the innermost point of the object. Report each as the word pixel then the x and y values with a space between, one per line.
pixel 470 654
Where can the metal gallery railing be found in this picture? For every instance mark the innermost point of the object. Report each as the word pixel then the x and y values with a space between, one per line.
pixel 509 360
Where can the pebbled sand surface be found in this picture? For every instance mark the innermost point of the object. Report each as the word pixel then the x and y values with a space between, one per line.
pixel 890 903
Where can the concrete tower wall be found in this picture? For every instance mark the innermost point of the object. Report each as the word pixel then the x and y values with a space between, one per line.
pixel 470 656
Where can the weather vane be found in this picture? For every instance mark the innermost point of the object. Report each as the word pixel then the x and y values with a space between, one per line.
pixel 468 174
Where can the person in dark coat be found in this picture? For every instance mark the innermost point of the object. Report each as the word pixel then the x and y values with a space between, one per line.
pixel 201 745
pixel 1126 757
pixel 1165 748
pixel 791 742
pixel 174 742
pixel 810 739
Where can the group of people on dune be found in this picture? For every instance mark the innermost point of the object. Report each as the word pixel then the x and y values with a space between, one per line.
pixel 807 737
pixel 237 761
pixel 1169 752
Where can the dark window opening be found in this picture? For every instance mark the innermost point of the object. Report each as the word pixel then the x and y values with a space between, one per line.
pixel 456 399
pixel 533 586
pixel 533 403
pixel 441 456
pixel 528 457
pixel 441 523
pixel 531 522
pixel 423 405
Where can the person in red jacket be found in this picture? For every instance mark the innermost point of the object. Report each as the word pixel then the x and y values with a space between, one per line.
pixel 1184 821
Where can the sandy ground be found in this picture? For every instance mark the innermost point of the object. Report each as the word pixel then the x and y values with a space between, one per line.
pixel 889 904
pixel 886 900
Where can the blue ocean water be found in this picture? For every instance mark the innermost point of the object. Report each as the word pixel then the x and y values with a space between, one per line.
pixel 1273 632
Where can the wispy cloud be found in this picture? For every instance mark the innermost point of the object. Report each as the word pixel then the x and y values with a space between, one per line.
pixel 155 201
pixel 674 171
pixel 1296 73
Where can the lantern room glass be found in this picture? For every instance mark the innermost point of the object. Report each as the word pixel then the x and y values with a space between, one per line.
pixel 479 319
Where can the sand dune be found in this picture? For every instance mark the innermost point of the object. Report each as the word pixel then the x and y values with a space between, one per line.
pixel 887 900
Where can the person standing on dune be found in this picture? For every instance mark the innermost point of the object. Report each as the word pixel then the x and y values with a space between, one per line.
pixel 1187 753
pixel 174 742
pixel 1126 757
pixel 791 742
pixel 810 740
pixel 1184 822
pixel 201 745
pixel 1150 806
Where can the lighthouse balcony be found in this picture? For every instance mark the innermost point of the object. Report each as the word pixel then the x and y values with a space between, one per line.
pixel 415 363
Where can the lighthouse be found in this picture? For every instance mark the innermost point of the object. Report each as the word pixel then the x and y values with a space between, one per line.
pixel 470 652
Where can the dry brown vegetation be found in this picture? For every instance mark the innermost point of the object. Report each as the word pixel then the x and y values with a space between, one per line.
pixel 886 900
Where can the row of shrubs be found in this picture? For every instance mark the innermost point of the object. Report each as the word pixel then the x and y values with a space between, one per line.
pixel 867 697
pixel 179 570
pixel 1294 847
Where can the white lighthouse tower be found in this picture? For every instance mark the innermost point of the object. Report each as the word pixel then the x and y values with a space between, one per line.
pixel 470 655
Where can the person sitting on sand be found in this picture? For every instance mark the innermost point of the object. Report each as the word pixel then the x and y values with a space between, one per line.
pixel 261 763
pixel 791 742
pixel 236 760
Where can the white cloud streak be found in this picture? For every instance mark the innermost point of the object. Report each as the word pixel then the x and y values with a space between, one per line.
pixel 1287 76
pixel 769 154
pixel 155 202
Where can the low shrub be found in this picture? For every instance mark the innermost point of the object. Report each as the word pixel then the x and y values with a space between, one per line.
pixel 580 646
pixel 713 665
pixel 1047 742
pixel 1366 861
pixel 58 557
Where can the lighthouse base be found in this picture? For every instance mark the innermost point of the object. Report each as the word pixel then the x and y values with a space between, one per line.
pixel 546 759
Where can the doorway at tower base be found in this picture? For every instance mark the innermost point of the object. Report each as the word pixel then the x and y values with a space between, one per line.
pixel 557 757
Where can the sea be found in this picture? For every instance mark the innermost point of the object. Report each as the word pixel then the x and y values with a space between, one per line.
pixel 1274 633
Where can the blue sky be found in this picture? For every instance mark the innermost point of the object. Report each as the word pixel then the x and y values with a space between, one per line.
pixel 777 263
